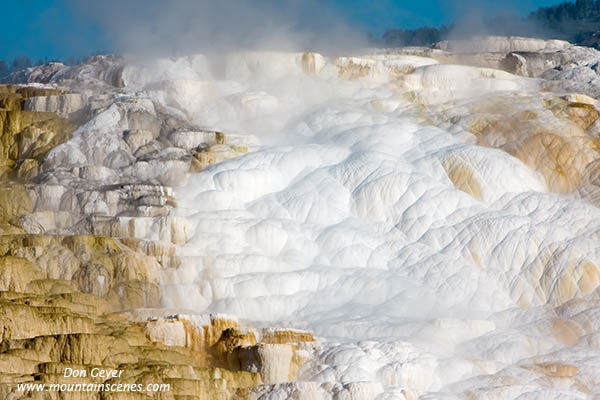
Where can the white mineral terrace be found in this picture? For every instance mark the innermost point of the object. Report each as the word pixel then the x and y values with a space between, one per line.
pixel 435 225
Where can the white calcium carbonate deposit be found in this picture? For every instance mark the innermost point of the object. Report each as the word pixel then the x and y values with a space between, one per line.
pixel 430 260
pixel 345 222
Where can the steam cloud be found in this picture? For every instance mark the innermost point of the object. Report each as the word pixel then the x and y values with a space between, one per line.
pixel 172 28
pixel 508 18
pixel 154 27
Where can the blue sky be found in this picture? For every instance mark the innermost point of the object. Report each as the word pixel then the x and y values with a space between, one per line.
pixel 417 13
pixel 59 28
pixel 45 28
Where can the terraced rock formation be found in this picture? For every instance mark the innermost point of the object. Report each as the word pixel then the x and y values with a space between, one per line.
pixel 435 224
pixel 82 249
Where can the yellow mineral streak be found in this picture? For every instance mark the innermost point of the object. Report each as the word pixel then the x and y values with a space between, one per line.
pixel 216 153
pixel 556 136
pixel 578 109
pixel 566 331
pixel 308 63
pixel 27 135
pixel 14 202
pixel 560 160
pixel 555 370
pixel 126 274
pixel 354 68
pixel 213 332
pixel 561 283
pixel 462 176
pixel 282 336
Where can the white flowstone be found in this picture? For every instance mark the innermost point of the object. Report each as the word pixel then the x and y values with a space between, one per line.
pixel 351 218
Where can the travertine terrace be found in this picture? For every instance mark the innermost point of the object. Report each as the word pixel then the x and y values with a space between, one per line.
pixel 388 224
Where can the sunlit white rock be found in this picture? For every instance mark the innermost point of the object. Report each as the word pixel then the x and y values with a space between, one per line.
pixel 430 265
